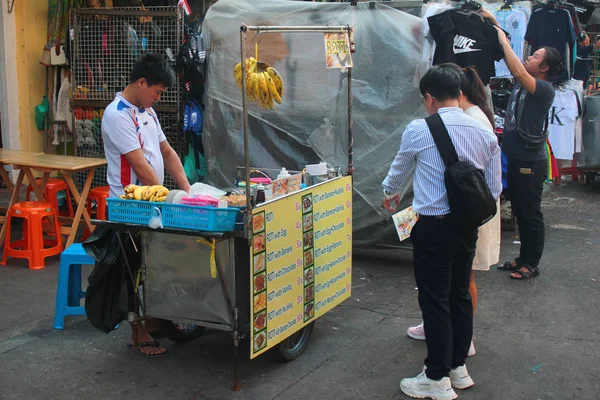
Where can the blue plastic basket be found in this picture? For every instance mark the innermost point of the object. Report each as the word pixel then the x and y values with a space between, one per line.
pixel 131 211
pixel 208 219
pixel 198 218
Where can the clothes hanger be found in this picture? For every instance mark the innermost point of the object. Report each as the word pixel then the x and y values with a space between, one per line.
pixel 470 8
pixel 507 5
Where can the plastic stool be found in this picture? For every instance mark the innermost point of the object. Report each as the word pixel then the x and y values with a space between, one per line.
pixel 99 195
pixel 53 186
pixel 68 292
pixel 33 246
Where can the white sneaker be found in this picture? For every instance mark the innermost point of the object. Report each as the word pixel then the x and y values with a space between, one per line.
pixel 460 379
pixel 416 332
pixel 472 351
pixel 421 387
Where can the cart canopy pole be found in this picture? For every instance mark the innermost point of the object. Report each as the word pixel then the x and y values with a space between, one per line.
pixel 246 126
pixel 258 29
pixel 278 29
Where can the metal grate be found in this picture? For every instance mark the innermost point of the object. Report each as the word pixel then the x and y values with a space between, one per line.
pixel 105 45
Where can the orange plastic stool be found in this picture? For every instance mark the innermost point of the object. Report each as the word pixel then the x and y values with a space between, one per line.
pixel 99 195
pixel 53 186
pixel 33 246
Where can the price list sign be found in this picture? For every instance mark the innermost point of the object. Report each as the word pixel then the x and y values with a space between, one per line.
pixel 301 260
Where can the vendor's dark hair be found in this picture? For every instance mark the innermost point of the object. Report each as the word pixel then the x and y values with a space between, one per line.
pixel 441 82
pixel 553 60
pixel 473 88
pixel 155 69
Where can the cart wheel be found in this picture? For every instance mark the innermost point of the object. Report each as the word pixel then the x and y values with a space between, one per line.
pixel 293 347
pixel 180 332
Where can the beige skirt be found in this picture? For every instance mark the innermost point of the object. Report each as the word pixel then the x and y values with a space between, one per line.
pixel 487 252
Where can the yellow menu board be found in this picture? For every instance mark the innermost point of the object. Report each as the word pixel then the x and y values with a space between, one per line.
pixel 301 260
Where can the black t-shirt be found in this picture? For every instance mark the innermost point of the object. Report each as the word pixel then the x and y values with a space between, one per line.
pixel 584 10
pixel 550 27
pixel 530 111
pixel 582 66
pixel 466 40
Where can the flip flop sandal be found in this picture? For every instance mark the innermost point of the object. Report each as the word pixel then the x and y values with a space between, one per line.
pixel 508 266
pixel 137 349
pixel 532 272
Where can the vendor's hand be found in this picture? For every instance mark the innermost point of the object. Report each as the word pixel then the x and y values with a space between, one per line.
pixel 186 188
pixel 391 202
pixel 502 37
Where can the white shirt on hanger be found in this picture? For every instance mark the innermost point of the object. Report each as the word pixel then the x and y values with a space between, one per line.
pixel 514 22
pixel 561 124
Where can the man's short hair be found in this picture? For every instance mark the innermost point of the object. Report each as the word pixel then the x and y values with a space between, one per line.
pixel 441 82
pixel 155 69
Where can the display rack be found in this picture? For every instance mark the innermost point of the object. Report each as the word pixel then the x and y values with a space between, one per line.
pixel 105 45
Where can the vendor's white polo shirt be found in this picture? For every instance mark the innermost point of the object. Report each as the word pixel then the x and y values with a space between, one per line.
pixel 125 128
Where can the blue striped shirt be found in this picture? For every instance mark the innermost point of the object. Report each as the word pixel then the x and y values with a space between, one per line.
pixel 418 155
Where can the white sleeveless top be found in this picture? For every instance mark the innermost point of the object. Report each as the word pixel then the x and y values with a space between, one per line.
pixel 487 251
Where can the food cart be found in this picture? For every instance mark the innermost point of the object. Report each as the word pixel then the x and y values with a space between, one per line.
pixel 289 263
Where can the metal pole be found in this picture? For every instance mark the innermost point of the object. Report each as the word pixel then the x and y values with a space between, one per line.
pixel 350 170
pixel 47 118
pixel 277 29
pixel 246 126
pixel 350 136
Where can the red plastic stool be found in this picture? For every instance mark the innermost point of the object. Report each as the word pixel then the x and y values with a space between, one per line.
pixel 33 246
pixel 53 186
pixel 99 195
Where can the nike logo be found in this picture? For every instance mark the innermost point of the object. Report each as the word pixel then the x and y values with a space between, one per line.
pixel 464 44
pixel 459 51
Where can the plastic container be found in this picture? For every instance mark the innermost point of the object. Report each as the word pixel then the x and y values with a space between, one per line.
pixel 200 200
pixel 283 174
pixel 261 180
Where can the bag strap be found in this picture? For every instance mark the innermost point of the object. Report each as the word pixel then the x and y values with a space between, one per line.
pixel 442 139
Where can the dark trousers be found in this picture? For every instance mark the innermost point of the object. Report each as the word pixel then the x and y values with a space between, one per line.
pixel 525 187
pixel 443 259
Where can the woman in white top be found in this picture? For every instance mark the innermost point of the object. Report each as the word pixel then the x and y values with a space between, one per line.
pixel 474 102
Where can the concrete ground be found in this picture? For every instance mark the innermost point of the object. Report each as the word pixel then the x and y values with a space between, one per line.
pixel 536 339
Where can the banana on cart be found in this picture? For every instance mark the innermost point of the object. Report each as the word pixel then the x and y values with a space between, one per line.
pixel 155 193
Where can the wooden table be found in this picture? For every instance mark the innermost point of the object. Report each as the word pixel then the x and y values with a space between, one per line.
pixel 6 154
pixel 28 162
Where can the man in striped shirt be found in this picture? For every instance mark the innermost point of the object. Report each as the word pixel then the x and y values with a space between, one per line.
pixel 442 251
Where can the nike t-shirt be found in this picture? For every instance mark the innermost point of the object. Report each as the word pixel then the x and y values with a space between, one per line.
pixel 126 128
pixel 466 39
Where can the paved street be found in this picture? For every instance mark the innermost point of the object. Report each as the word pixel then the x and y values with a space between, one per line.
pixel 537 339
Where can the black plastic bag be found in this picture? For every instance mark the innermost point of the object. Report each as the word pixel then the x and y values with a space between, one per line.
pixel 107 297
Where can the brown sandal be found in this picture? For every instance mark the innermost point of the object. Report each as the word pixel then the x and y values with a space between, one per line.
pixel 531 272
pixel 508 266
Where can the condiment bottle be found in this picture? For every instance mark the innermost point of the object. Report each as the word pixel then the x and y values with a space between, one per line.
pixel 260 194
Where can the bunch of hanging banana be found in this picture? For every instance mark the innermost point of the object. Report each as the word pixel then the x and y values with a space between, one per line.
pixel 156 193
pixel 263 83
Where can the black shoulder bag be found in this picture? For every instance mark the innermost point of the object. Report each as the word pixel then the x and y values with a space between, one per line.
pixel 471 201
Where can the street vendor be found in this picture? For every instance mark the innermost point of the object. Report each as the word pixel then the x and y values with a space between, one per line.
pixel 138 152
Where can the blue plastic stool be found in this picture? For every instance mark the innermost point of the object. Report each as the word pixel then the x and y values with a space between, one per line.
pixel 69 293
